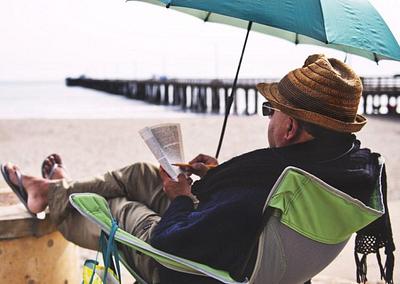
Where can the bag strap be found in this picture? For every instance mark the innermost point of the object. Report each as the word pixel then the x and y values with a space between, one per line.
pixel 95 263
pixel 110 250
pixel 373 237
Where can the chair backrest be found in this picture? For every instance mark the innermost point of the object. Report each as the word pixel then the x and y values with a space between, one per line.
pixel 311 224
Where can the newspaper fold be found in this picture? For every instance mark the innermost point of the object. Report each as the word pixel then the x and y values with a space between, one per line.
pixel 165 142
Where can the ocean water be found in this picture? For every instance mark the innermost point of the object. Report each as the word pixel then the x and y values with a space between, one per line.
pixel 54 100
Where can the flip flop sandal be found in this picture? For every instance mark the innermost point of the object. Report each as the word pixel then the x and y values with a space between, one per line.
pixel 49 174
pixel 19 189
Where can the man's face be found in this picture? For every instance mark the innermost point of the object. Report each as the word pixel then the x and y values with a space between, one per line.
pixel 277 129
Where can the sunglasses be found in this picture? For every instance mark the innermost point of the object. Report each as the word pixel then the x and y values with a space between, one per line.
pixel 268 109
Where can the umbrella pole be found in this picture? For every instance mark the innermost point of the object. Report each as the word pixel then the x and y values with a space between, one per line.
pixel 233 90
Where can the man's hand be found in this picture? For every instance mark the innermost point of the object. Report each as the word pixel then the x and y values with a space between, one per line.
pixel 173 188
pixel 199 165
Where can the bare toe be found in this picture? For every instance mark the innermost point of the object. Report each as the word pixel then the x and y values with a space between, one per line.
pixel 57 158
pixel 53 168
pixel 12 169
pixel 47 164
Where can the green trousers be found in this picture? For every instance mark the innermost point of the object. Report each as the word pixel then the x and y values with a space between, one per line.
pixel 136 199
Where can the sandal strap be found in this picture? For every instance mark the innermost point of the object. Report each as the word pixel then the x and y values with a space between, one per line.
pixel 21 190
pixel 53 170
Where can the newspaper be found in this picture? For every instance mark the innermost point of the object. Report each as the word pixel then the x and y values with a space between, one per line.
pixel 165 142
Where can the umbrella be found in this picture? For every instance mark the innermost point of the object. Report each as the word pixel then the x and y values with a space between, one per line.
pixel 352 26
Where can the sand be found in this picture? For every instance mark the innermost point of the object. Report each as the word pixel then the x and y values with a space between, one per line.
pixel 90 147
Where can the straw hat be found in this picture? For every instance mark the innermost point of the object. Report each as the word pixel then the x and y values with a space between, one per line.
pixel 324 91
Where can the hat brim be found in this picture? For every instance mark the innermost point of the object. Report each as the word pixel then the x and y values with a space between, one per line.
pixel 271 93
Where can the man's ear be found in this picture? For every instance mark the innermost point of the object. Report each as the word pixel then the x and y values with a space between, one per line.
pixel 292 129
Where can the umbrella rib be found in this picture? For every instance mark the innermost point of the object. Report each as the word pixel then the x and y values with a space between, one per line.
pixel 323 22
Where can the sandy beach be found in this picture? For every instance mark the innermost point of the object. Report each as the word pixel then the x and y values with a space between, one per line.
pixel 89 147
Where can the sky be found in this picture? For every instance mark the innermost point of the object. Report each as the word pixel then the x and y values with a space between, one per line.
pixel 46 40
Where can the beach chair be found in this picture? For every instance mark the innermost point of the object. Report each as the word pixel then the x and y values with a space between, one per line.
pixel 306 224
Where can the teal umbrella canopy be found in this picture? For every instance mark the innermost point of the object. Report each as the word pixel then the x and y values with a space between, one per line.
pixel 352 26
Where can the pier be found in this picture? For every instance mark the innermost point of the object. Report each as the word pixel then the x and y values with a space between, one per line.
pixel 381 95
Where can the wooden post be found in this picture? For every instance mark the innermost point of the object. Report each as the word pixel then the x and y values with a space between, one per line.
pixel 247 101
pixel 176 94
pixel 146 95
pixel 365 96
pixel 174 91
pixel 180 94
pixel 166 94
pixel 203 99
pixel 141 91
pixel 184 99
pixel 255 100
pixel 225 98
pixel 131 90
pixel 158 94
pixel 235 109
pixel 392 107
pixel 215 101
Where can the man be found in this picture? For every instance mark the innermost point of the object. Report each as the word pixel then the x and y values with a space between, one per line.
pixel 313 113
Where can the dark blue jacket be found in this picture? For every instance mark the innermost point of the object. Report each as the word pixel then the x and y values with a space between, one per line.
pixel 220 230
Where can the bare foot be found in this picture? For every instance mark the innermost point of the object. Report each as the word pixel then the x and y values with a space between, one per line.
pixel 36 189
pixel 53 168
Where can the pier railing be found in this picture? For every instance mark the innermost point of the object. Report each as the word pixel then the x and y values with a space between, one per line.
pixel 381 95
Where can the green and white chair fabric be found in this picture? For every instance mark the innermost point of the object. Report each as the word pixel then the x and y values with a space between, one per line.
pixel 307 224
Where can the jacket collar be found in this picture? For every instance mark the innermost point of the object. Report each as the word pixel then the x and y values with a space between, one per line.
pixel 319 150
